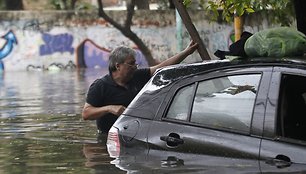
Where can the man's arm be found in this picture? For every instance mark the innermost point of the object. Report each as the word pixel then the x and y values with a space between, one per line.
pixel 92 113
pixel 176 58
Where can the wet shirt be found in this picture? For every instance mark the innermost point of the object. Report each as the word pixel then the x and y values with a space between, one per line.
pixel 105 91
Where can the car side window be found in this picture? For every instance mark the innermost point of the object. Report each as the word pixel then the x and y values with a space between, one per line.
pixel 292 107
pixel 181 104
pixel 226 102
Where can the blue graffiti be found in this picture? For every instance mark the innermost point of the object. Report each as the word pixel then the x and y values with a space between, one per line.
pixel 1 67
pixel 56 43
pixel 7 47
pixel 90 55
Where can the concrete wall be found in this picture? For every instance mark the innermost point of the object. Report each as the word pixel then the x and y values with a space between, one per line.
pixel 57 40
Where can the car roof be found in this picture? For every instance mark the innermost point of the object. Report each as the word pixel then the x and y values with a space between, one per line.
pixel 246 62
pixel 169 74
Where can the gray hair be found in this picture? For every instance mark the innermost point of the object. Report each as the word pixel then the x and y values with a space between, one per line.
pixel 118 55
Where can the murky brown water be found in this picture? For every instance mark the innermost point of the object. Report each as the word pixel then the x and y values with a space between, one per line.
pixel 41 129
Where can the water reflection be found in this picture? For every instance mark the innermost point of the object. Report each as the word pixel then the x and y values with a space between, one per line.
pixel 25 93
pixel 41 129
pixel 98 158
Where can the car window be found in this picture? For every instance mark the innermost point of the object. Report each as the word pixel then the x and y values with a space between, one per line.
pixel 226 102
pixel 181 103
pixel 292 107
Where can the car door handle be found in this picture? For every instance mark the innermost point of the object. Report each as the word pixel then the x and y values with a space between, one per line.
pixel 172 139
pixel 280 161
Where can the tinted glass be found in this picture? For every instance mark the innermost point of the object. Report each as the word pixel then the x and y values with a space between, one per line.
pixel 292 107
pixel 181 103
pixel 226 102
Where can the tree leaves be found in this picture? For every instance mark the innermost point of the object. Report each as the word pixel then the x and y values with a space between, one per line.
pixel 231 8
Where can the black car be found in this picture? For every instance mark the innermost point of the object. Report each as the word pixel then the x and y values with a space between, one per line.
pixel 239 116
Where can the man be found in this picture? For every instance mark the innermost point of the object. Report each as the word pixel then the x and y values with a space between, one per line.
pixel 108 96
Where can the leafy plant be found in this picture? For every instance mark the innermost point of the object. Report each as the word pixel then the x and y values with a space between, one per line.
pixel 71 5
pixel 282 10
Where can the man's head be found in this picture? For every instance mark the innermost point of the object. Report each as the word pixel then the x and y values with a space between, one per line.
pixel 121 55
pixel 122 63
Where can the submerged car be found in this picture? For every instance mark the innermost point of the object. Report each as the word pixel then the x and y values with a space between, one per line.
pixel 239 116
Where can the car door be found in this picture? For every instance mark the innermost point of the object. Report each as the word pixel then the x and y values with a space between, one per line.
pixel 283 148
pixel 212 122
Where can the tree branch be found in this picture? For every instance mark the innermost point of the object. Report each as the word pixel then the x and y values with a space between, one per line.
pixel 126 30
pixel 107 18
pixel 130 12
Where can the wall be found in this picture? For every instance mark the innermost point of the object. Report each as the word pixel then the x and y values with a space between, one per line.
pixel 45 40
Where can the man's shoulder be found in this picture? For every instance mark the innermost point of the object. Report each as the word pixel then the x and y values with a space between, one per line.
pixel 96 91
pixel 106 79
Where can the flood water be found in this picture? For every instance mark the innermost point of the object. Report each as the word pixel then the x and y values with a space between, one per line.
pixel 41 129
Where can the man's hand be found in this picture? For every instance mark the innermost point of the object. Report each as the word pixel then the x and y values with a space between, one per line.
pixel 92 113
pixel 116 109
pixel 191 47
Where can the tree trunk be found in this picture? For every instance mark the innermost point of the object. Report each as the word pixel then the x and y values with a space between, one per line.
pixel 126 30
pixel 300 6
pixel 72 4
pixel 141 46
pixel 238 25
pixel 171 5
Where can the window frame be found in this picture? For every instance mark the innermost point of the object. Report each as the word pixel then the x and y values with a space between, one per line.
pixel 218 74
pixel 272 117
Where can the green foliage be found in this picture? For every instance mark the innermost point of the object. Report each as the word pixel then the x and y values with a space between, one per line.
pixel 84 6
pixel 2 5
pixel 187 2
pixel 66 5
pixel 230 8
pixel 57 4
pixel 282 9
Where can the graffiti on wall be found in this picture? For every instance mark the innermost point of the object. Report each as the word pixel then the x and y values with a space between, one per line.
pixel 32 25
pixel 56 43
pixel 10 40
pixel 90 55
pixel 52 67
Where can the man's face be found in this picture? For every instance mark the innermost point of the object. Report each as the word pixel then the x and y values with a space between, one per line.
pixel 128 67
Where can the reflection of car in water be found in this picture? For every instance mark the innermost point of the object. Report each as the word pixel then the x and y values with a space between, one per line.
pixel 240 116
pixel 97 157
